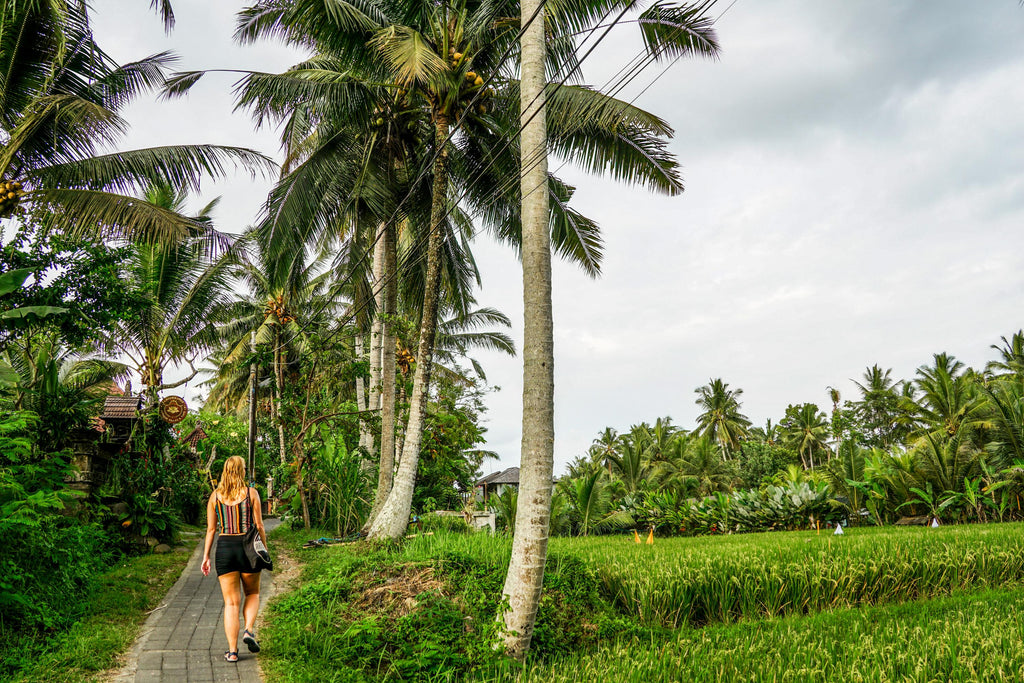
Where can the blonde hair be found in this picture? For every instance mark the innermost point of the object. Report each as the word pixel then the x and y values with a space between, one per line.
pixel 232 479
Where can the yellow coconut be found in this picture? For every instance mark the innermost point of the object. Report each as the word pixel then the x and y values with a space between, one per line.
pixel 478 81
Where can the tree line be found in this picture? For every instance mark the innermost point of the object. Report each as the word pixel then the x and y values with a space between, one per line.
pixel 945 444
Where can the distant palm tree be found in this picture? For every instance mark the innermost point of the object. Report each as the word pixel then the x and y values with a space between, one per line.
pixel 590 503
pixel 1011 356
pixel 721 418
pixel 631 466
pixel 878 407
pixel 843 472
pixel 805 429
pixel 769 434
pixel 699 462
pixel 949 399
pixel 605 445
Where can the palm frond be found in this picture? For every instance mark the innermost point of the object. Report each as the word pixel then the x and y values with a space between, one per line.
pixel 180 167
pixel 672 31
pixel 409 54
pixel 95 213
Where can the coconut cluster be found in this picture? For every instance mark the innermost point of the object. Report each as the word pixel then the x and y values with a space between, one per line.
pixel 474 81
pixel 10 194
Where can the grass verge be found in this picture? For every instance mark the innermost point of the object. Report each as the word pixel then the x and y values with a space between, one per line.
pixel 364 613
pixel 116 609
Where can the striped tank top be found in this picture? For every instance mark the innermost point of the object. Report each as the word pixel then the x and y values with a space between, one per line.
pixel 233 519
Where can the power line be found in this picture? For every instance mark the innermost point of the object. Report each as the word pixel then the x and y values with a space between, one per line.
pixel 451 133
pixel 633 68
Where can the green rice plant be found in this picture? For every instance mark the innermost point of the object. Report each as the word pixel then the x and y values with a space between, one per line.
pixel 964 637
pixel 696 581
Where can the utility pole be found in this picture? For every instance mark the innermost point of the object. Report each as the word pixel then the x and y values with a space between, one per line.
pixel 525 577
pixel 252 409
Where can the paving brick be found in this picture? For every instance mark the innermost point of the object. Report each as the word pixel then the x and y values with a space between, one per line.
pixel 150 661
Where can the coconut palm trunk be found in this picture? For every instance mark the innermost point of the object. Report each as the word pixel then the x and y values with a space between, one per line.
pixel 376 330
pixel 530 544
pixel 373 398
pixel 386 470
pixel 393 518
pixel 278 390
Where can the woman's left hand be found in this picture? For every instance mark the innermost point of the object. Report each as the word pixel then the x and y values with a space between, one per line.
pixel 206 567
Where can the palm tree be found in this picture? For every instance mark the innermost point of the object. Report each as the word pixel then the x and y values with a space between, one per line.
pixel 632 467
pixel 879 405
pixel 284 294
pixel 393 61
pixel 844 472
pixel 699 461
pixel 60 103
pixel 1011 356
pixel 63 390
pixel 185 290
pixel 1006 417
pixel 805 429
pixel 604 446
pixel 721 418
pixel 949 399
pixel 590 503
pixel 769 434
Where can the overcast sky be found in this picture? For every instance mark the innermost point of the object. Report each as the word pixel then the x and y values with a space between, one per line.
pixel 854 195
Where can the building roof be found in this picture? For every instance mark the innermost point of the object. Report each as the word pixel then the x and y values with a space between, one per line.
pixel 509 476
pixel 121 407
pixel 193 438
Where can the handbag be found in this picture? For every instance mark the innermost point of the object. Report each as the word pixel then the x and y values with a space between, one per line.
pixel 255 551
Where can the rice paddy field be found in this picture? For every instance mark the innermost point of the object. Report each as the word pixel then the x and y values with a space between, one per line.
pixel 697 581
pixel 876 604
pixel 975 637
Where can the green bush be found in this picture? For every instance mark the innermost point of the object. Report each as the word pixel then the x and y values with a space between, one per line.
pixel 48 564
pixel 48 560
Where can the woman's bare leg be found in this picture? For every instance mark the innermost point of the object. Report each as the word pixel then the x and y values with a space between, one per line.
pixel 232 599
pixel 251 586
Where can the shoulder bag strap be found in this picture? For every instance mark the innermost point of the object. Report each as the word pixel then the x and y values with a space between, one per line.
pixel 248 499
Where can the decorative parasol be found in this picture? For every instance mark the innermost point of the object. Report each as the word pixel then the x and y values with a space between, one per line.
pixel 173 409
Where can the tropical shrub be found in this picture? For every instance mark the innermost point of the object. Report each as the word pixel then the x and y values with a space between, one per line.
pixel 49 559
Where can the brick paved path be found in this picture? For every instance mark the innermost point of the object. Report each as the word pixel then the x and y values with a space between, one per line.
pixel 184 641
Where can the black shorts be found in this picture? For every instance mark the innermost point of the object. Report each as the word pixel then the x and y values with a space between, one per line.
pixel 230 556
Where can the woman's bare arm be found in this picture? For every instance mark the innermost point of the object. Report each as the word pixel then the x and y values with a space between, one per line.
pixel 211 530
pixel 257 514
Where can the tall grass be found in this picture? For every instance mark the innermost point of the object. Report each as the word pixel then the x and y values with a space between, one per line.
pixel 682 581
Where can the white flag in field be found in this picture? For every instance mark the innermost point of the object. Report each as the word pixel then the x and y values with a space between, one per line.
pixel 838 531
pixel 935 522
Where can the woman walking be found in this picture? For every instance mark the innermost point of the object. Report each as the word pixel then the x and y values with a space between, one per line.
pixel 232 508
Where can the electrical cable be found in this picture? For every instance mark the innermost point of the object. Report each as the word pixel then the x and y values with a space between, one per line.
pixel 633 71
pixel 454 130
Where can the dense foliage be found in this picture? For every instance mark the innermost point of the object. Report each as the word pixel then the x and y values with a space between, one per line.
pixel 944 445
